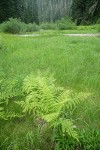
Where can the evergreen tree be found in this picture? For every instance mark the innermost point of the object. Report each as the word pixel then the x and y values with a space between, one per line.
pixel 85 12
pixel 6 9
pixel 26 10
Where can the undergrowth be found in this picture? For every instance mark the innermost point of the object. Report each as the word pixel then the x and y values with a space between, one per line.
pixel 46 125
pixel 46 108
pixel 15 26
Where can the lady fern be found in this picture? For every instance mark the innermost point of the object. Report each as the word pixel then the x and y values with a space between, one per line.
pixel 1 111
pixel 9 89
pixel 50 102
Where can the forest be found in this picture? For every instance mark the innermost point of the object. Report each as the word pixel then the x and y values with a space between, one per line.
pixel 85 12
pixel 49 74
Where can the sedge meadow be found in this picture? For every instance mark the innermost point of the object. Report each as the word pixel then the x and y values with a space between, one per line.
pixel 50 75
pixel 74 62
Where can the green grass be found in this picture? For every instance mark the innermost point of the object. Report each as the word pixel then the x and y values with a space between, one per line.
pixel 61 32
pixel 73 60
pixel 75 63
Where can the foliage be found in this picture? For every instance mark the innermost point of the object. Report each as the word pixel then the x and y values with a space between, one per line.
pixel 24 134
pixel 50 104
pixel 99 28
pixel 66 24
pixel 63 24
pixel 98 21
pixel 1 111
pixel 48 26
pixel 29 11
pixel 90 28
pixel 74 66
pixel 50 11
pixel 32 27
pixel 89 138
pixel 13 26
pixel 25 10
pixel 6 115
pixel 85 12
pixel 9 89
pixel 16 26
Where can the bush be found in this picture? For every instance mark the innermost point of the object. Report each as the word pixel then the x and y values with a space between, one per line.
pixel 98 21
pixel 66 24
pixel 48 26
pixel 99 28
pixel 91 27
pixel 32 27
pixel 13 26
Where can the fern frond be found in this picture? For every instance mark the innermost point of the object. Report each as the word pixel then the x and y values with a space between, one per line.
pixel 51 117
pixel 70 99
pixel 39 91
pixel 1 110
pixel 68 127
pixel 50 102
pixel 9 89
pixel 10 115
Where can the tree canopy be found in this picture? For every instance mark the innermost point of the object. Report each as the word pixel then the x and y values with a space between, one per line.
pixel 86 12
pixel 81 11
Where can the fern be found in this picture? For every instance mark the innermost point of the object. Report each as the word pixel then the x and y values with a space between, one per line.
pixel 5 115
pixel 1 110
pixel 9 89
pixel 10 115
pixel 50 102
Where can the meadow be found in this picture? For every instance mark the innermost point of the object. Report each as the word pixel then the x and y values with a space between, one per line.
pixel 75 64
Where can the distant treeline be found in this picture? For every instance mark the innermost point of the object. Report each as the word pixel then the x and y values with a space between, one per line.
pixel 29 11
pixel 86 11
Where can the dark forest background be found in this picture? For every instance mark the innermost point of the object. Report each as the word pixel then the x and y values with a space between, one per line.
pixel 81 11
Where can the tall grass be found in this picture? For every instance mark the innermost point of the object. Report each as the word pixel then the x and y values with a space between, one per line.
pixel 75 63
pixel 73 60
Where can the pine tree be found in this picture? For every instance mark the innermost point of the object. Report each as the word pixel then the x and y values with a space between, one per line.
pixel 85 12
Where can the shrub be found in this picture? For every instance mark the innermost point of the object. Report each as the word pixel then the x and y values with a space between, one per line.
pixel 99 28
pixel 91 27
pixel 66 24
pixel 13 26
pixel 96 27
pixel 48 26
pixel 32 27
pixel 98 21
